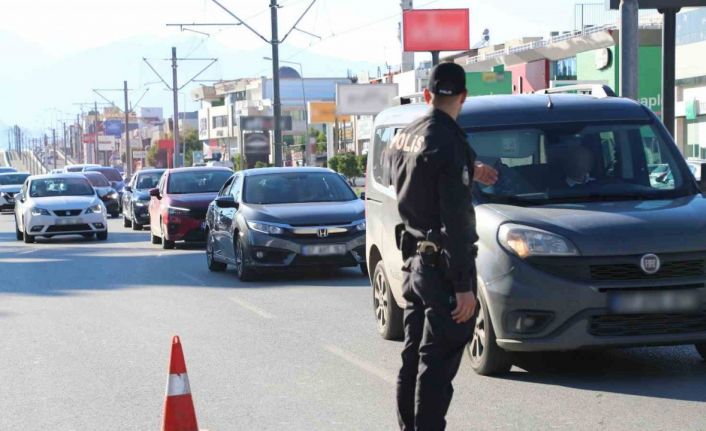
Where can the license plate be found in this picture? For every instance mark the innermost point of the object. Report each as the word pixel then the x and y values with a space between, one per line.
pixel 324 250
pixel 69 220
pixel 674 301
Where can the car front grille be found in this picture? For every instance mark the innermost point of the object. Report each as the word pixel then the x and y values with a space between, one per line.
pixel 67 213
pixel 68 228
pixel 622 325
pixel 621 272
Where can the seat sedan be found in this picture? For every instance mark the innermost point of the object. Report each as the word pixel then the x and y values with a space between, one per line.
pixel 279 218
pixel 136 198
pixel 64 204
pixel 105 192
pixel 10 185
pixel 113 175
pixel 178 205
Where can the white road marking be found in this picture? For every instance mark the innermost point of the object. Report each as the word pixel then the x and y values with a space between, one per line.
pixel 29 251
pixel 248 306
pixel 29 260
pixel 362 364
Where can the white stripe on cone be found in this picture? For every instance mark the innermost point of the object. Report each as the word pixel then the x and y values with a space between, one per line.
pixel 178 384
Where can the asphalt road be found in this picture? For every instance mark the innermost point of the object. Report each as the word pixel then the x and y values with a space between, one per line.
pixel 85 331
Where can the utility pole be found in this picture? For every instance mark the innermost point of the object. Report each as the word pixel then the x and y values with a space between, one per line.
pixel 175 97
pixel 95 132
pixel 277 104
pixel 669 36
pixel 79 137
pixel 66 148
pixel 128 149
pixel 629 48
pixel 53 140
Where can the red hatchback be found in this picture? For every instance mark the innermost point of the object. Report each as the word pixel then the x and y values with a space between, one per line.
pixel 179 203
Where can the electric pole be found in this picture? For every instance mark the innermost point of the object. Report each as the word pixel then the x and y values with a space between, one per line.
pixel 128 149
pixel 175 97
pixel 53 140
pixel 95 132
pixel 277 104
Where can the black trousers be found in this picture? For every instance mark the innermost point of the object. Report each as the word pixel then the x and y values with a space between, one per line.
pixel 433 349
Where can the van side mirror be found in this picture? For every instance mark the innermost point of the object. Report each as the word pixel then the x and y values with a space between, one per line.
pixel 128 189
pixel 227 201
pixel 155 193
pixel 362 196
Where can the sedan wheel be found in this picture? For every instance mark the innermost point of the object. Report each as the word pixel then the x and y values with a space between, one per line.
pixel 485 356
pixel 126 221
pixel 136 225
pixel 387 313
pixel 244 272
pixel 213 265
pixel 29 239
pixel 18 233
pixel 166 244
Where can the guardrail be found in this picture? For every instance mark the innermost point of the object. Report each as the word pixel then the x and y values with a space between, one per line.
pixel 6 158
pixel 36 167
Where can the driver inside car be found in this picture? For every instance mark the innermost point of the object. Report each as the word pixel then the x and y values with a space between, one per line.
pixel 577 166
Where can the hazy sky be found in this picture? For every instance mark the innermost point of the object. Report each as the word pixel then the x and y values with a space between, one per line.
pixel 51 31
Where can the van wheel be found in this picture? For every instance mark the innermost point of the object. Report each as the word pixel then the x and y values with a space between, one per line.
pixel 486 357
pixel 701 348
pixel 387 313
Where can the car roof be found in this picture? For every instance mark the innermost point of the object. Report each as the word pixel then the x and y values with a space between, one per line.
pixel 99 168
pixel 14 173
pixel 199 169
pixel 264 171
pixel 62 175
pixel 150 171
pixel 528 109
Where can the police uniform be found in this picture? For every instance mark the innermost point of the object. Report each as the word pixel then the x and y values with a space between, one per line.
pixel 431 168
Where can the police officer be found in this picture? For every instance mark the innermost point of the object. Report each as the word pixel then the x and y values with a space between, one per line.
pixel 431 166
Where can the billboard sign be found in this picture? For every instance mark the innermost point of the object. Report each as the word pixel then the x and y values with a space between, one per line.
pixel 325 113
pixel 364 99
pixel 436 30
pixel 113 127
pixel 264 123
pixel 257 144
pixel 139 154
pixel 106 143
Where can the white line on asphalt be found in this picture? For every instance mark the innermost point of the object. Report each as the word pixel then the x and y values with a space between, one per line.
pixel 192 278
pixel 362 364
pixel 248 306
pixel 29 251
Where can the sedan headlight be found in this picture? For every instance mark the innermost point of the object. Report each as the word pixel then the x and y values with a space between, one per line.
pixel 177 211
pixel 95 209
pixel 40 212
pixel 525 241
pixel 268 228
pixel 360 226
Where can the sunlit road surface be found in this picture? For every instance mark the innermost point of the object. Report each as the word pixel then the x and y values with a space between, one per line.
pixel 86 326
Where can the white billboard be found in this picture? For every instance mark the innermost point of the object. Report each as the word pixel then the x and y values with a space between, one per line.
pixel 106 143
pixel 364 99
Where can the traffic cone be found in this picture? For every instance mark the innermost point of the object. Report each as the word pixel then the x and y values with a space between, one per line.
pixel 179 413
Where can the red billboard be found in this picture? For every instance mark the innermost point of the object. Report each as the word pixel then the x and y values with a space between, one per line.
pixel 436 30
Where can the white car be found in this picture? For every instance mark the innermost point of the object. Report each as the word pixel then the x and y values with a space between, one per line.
pixel 65 204
pixel 10 184
pixel 79 168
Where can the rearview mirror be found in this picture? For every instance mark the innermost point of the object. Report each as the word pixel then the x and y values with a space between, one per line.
pixel 155 193
pixel 226 202
pixel 362 196
pixel 128 189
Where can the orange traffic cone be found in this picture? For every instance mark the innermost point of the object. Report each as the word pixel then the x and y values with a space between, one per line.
pixel 179 413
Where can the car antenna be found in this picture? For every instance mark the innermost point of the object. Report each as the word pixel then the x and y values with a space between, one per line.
pixel 550 105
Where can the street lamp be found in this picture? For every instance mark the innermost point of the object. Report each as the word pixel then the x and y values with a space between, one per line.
pixel 306 114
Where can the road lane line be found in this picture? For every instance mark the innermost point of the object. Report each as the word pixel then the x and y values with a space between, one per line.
pixel 29 251
pixel 362 364
pixel 192 278
pixel 248 306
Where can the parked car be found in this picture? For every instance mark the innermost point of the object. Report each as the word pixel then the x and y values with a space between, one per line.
pixel 613 260
pixel 136 198
pixel 5 169
pixel 80 168
pixel 10 185
pixel 695 167
pixel 105 192
pixel 113 176
pixel 66 204
pixel 179 202
pixel 276 218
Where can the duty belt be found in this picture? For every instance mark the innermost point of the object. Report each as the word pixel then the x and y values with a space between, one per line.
pixel 429 252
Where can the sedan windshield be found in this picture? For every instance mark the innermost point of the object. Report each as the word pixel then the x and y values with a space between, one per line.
pixel 97 179
pixel 60 187
pixel 111 173
pixel 288 188
pixel 197 181
pixel 12 179
pixel 147 180
pixel 579 163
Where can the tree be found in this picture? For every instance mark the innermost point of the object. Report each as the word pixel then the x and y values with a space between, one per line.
pixel 347 164
pixel 191 144
pixel 238 164
pixel 260 164
pixel 333 163
pixel 362 163
pixel 152 155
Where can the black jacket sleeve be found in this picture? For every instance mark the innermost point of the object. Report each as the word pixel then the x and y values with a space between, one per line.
pixel 457 215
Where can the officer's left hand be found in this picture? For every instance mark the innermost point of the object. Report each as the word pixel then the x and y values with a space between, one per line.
pixel 485 174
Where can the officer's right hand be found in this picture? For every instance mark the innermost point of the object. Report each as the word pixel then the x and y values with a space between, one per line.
pixel 465 307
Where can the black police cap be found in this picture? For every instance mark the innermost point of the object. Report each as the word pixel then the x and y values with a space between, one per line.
pixel 447 79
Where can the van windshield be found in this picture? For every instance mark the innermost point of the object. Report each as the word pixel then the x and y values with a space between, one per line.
pixel 580 162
